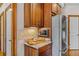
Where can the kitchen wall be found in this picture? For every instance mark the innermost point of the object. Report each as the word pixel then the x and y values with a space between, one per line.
pixel 20 28
pixel 71 9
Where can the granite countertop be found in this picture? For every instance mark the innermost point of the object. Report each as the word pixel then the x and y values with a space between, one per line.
pixel 37 46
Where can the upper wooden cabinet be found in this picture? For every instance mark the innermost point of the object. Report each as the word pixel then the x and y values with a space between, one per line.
pixel 56 9
pixel 33 15
pixel 37 15
pixel 59 9
pixel 48 17
pixel 27 15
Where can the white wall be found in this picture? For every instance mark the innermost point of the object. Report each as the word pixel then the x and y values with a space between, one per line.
pixel 71 9
pixel 20 28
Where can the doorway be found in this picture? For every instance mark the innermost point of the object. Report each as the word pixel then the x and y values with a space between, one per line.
pixel 73 35
pixel 11 31
pixel 8 30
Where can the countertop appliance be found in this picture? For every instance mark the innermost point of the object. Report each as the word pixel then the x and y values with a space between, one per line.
pixel 44 32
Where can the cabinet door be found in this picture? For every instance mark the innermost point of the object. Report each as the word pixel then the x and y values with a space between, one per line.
pixel 54 8
pixel 33 52
pixel 58 9
pixel 29 51
pixel 37 15
pixel 48 16
pixel 33 15
pixel 33 20
pixel 46 50
pixel 26 50
pixel 27 14
pixel 46 53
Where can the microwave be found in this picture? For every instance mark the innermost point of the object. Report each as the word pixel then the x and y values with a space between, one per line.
pixel 44 32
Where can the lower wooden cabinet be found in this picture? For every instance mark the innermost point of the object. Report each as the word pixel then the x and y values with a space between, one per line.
pixel 43 51
pixel 29 51
pixel 46 50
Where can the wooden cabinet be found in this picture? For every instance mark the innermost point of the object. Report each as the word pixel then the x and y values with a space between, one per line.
pixel 48 16
pixel 43 51
pixel 33 15
pixel 37 15
pixel 29 51
pixel 56 9
pixel 27 15
pixel 46 50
